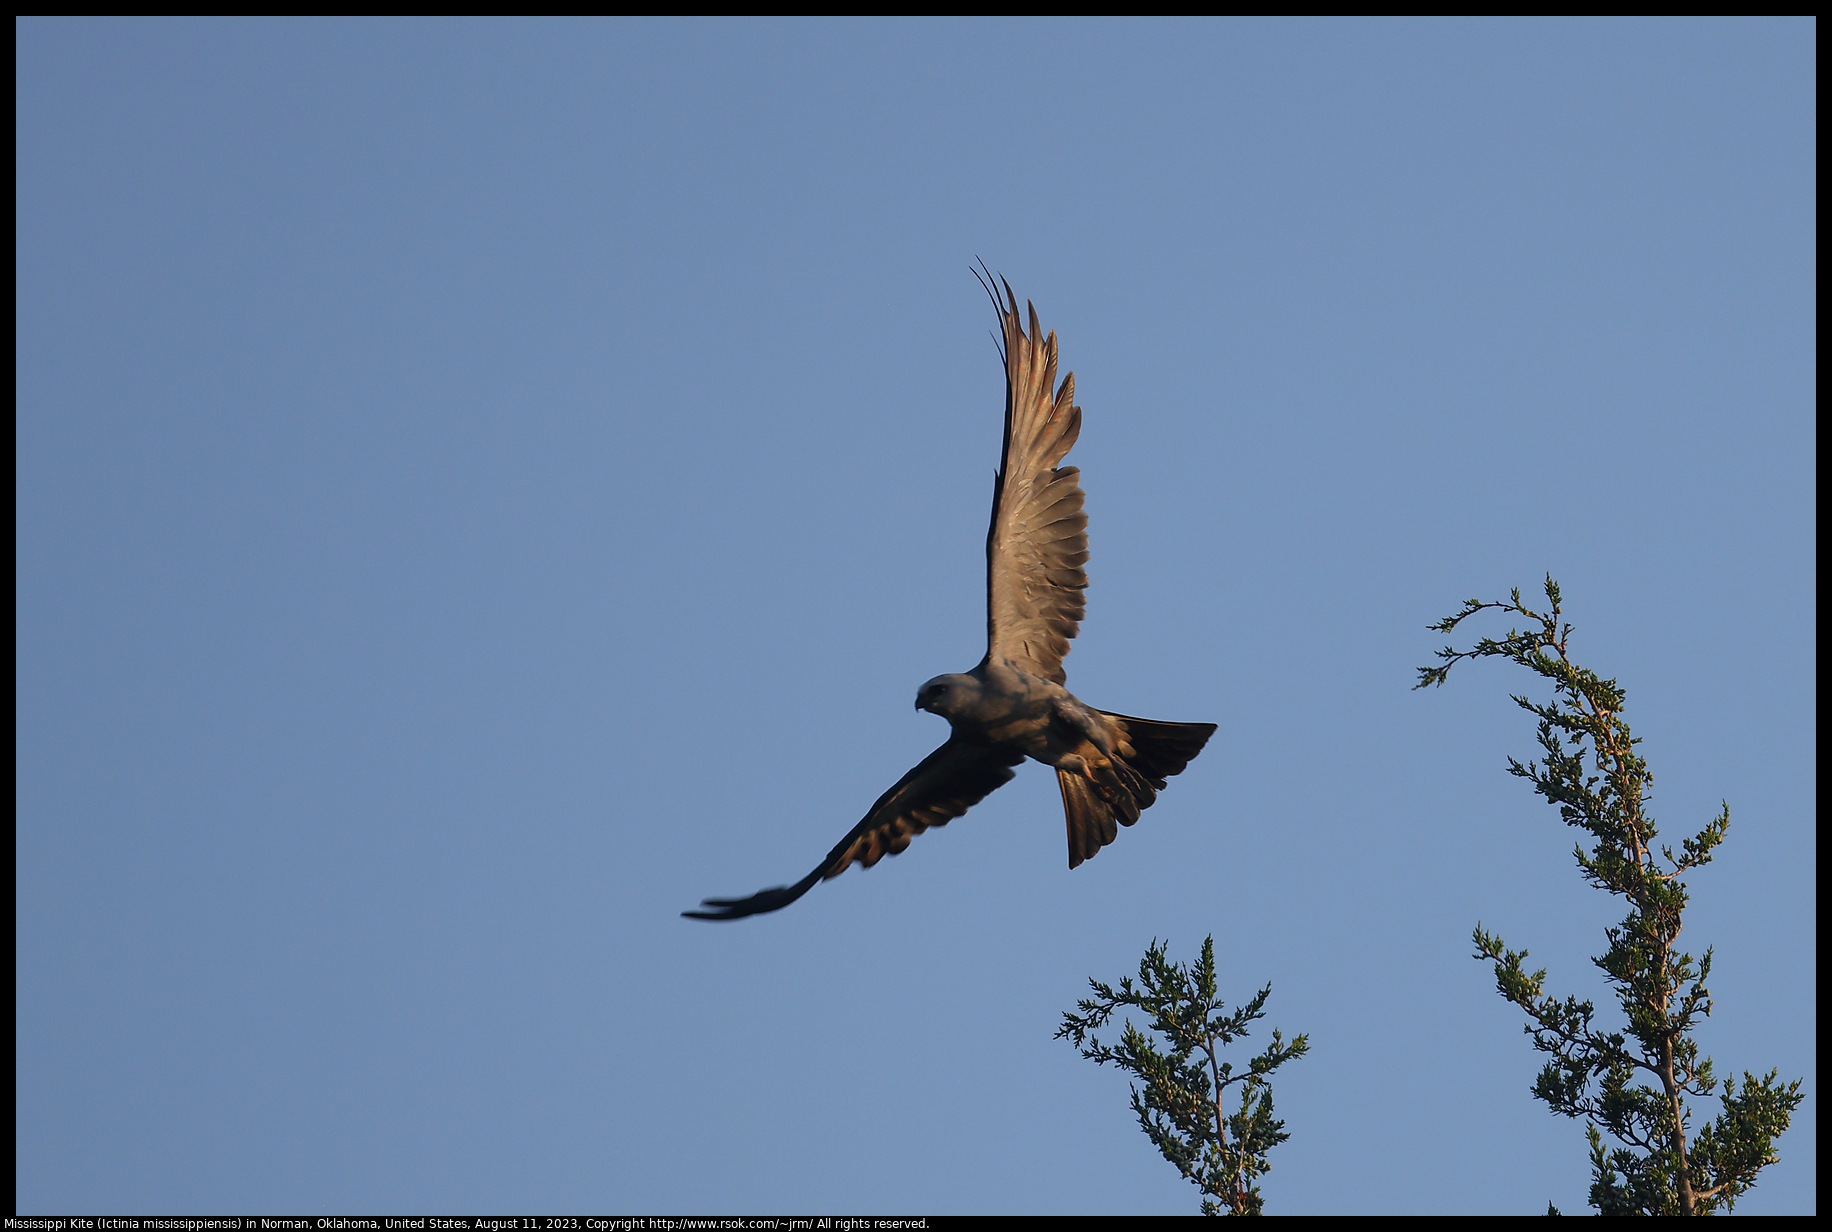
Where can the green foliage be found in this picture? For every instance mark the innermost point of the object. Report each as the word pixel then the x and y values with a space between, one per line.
pixel 1591 772
pixel 1183 1109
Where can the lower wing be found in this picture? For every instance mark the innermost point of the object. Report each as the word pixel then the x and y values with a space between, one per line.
pixel 943 785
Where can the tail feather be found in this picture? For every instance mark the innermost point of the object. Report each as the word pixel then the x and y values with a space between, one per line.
pixel 1154 752
pixel 1090 820
pixel 1161 750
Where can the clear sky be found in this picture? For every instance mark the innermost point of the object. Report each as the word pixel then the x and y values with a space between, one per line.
pixel 484 486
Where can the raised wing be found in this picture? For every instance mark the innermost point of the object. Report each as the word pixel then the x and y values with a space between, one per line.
pixel 1038 540
pixel 943 785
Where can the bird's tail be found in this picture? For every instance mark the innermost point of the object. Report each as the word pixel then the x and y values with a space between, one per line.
pixel 1161 750
pixel 1150 754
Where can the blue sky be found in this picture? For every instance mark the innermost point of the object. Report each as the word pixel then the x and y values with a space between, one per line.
pixel 484 486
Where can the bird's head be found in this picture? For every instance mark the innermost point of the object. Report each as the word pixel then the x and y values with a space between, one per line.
pixel 948 695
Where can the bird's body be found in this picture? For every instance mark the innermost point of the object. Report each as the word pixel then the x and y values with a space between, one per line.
pixel 1002 704
pixel 1014 704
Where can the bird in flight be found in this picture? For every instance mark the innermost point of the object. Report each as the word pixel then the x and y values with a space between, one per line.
pixel 1013 705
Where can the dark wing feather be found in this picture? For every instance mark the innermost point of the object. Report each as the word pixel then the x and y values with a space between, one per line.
pixel 1038 540
pixel 943 785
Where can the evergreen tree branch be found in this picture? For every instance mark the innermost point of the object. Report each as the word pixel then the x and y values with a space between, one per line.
pixel 1182 1108
pixel 1590 771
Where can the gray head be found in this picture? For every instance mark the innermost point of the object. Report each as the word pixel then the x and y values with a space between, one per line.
pixel 948 695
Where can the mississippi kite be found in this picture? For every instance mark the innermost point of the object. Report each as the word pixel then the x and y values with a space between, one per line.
pixel 1013 705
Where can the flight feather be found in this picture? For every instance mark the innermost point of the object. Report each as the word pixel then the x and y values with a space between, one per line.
pixel 1038 540
pixel 941 787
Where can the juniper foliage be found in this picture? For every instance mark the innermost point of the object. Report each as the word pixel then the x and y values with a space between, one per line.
pixel 1592 773
pixel 1183 1108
